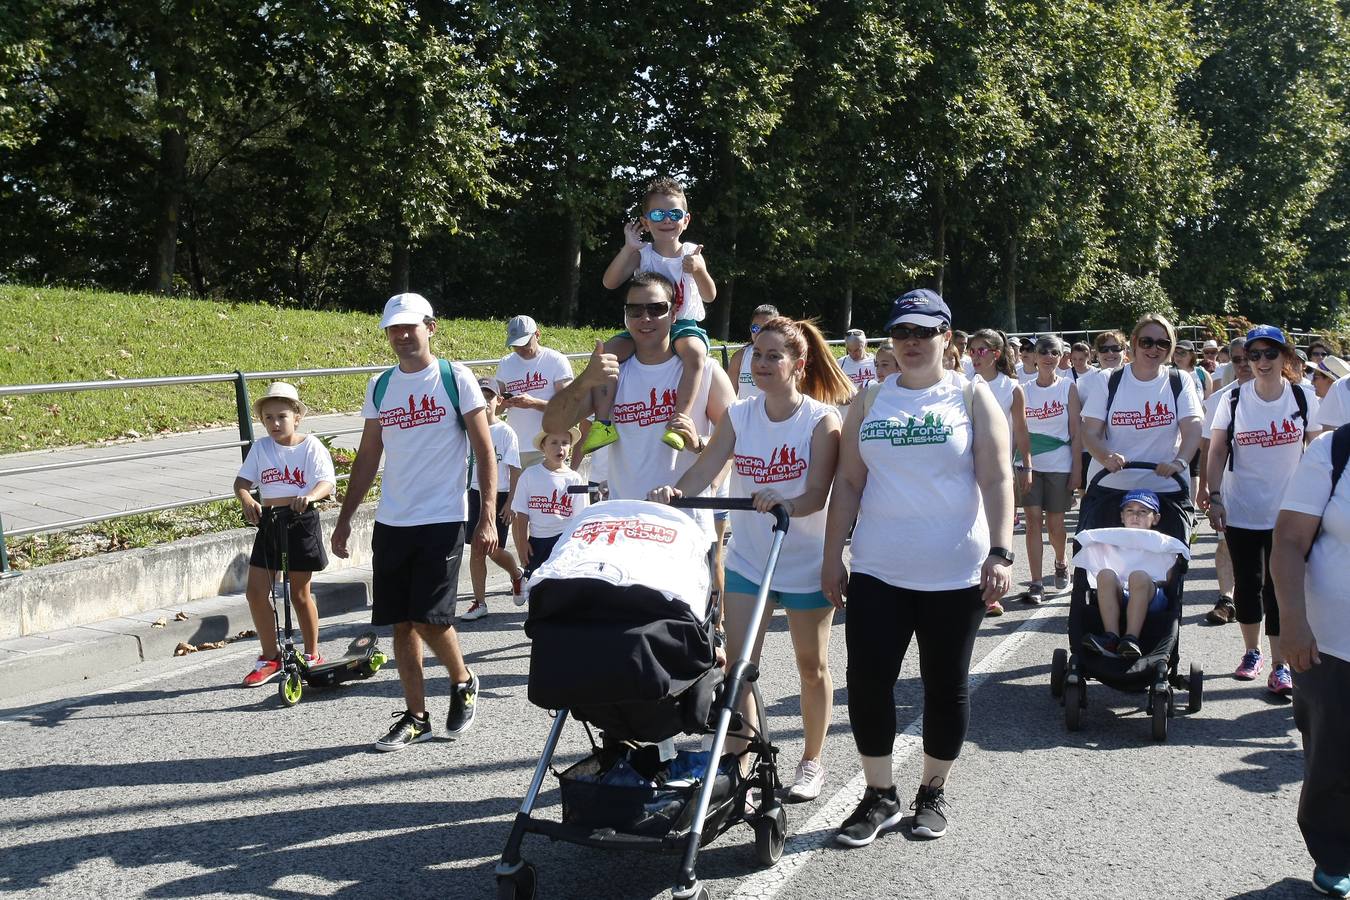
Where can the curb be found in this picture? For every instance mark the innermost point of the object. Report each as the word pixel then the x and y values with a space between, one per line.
pixel 70 655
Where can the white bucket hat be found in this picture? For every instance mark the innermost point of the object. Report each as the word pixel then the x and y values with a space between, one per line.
pixel 280 390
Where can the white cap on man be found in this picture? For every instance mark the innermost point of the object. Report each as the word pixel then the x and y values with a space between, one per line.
pixel 406 309
pixel 519 331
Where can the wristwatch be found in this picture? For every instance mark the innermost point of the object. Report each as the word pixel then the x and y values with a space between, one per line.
pixel 1002 553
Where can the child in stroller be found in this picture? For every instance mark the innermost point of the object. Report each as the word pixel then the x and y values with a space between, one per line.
pixel 1148 562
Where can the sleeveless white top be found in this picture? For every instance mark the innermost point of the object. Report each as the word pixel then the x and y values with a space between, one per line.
pixel 688 301
pixel 921 523
pixel 775 455
pixel 745 381
pixel 644 401
pixel 1002 387
pixel 1048 413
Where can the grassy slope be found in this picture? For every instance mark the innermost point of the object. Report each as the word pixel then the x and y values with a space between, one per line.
pixel 53 335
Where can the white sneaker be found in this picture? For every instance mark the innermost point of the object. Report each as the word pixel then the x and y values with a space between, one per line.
pixel 808 782
pixel 476 611
pixel 518 595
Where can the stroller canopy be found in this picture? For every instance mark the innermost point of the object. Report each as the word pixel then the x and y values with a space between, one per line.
pixel 633 542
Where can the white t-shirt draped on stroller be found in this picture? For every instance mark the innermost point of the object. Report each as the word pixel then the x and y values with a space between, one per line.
pixel 1126 550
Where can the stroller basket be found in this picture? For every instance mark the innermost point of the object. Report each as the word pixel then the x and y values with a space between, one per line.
pixel 644 811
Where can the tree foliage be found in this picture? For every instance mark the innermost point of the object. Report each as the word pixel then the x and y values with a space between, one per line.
pixel 1081 159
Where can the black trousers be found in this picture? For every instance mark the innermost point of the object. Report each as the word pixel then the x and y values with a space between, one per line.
pixel 1322 713
pixel 1253 588
pixel 882 618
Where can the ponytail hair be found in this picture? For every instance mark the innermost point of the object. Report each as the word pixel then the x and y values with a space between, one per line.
pixel 1005 361
pixel 822 378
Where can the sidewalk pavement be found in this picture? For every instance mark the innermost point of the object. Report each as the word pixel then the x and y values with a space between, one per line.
pixel 43 500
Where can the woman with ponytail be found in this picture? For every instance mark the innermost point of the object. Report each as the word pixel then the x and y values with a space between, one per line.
pixel 785 443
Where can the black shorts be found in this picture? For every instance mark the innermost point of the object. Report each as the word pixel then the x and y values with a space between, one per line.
pixel 304 541
pixel 415 572
pixel 475 505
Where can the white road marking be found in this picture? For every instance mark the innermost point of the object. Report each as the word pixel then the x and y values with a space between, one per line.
pixel 819 830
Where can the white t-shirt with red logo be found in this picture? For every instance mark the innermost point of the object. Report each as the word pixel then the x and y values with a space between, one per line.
pixel 688 300
pixel 745 381
pixel 507 450
pixel 644 401
pixel 1335 409
pixel 1048 413
pixel 1309 492
pixel 279 471
pixel 426 451
pixel 1143 426
pixel 861 372
pixel 538 377
pixel 775 455
pixel 1267 445
pixel 542 496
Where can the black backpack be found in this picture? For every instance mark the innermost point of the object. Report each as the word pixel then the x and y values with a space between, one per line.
pixel 1300 398
pixel 1340 455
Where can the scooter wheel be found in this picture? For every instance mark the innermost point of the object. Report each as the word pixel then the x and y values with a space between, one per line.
pixel 519 886
pixel 290 688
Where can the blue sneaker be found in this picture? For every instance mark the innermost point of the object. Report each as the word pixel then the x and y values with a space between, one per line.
pixel 1331 885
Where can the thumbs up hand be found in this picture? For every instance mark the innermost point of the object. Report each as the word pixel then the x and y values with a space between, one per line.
pixel 602 367
pixel 694 263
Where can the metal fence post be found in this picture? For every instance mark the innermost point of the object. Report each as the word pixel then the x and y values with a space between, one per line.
pixel 726 360
pixel 245 412
pixel 4 554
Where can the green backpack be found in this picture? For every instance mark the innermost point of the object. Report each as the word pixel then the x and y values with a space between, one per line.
pixel 447 381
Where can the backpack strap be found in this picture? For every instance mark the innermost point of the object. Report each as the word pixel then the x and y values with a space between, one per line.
pixel 1232 422
pixel 1175 378
pixel 1301 401
pixel 1340 454
pixel 1112 385
pixel 869 397
pixel 447 381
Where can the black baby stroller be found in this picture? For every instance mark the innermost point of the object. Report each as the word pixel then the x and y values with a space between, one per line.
pixel 617 651
pixel 1156 670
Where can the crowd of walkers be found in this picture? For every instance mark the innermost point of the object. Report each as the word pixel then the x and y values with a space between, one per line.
pixel 922 459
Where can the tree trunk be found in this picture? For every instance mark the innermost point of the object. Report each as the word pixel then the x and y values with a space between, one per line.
pixel 845 319
pixel 169 186
pixel 571 280
pixel 726 289
pixel 1009 267
pixel 196 272
pixel 846 311
pixel 938 191
pixel 400 257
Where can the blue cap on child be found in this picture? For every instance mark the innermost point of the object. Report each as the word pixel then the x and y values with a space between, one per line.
pixel 1144 498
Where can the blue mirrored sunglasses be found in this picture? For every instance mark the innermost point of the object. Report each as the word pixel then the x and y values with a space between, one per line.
pixel 660 215
pixel 755 329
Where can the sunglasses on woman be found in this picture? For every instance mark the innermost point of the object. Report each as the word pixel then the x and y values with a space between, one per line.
pixel 1148 343
pixel 1048 351
pixel 650 310
pixel 981 351
pixel 923 333
pixel 1110 348
pixel 1317 354
pixel 660 215
pixel 1270 353
pixel 755 329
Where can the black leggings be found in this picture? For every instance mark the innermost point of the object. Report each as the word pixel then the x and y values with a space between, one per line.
pixel 1253 589
pixel 881 620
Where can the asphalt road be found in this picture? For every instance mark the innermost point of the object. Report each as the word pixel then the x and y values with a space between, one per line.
pixel 172 781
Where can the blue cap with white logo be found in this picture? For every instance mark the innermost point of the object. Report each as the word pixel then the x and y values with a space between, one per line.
pixel 1144 498
pixel 919 307
pixel 1266 333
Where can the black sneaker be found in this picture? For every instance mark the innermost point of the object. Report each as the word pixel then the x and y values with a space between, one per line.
pixel 408 729
pixel 1034 594
pixel 463 703
pixel 1128 648
pixel 1105 644
pixel 877 811
pixel 930 812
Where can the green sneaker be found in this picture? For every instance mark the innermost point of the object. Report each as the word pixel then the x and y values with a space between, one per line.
pixel 602 434
pixel 673 440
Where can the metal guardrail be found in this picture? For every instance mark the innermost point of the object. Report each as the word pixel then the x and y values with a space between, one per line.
pixel 244 414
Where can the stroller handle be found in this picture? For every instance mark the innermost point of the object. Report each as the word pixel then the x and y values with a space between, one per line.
pixel 780 515
pixel 1176 476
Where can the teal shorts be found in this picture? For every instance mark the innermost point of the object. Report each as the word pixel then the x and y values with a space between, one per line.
pixel 739 584
pixel 682 328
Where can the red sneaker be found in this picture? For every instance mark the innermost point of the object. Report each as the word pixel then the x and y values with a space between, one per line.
pixel 264 670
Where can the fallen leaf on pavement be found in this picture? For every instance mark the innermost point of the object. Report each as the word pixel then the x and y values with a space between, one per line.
pixel 158 623
pixel 181 617
pixel 183 649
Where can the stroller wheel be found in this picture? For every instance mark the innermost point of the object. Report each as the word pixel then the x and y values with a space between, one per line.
pixel 518 886
pixel 1074 701
pixel 1059 667
pixel 1157 707
pixel 1195 688
pixel 770 835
